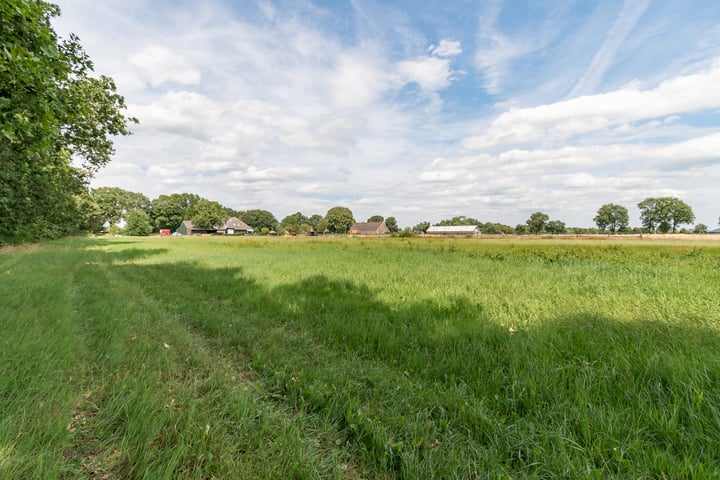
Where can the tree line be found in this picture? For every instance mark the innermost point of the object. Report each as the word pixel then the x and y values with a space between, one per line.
pixel 105 207
pixel 657 215
pixel 116 210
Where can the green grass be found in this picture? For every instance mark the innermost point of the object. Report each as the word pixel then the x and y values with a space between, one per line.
pixel 355 358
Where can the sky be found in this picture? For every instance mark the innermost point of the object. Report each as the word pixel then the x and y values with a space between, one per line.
pixel 421 110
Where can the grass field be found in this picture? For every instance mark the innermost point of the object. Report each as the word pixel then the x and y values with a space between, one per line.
pixel 358 358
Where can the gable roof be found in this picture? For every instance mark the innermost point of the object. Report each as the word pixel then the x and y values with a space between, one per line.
pixel 717 230
pixel 236 224
pixel 366 227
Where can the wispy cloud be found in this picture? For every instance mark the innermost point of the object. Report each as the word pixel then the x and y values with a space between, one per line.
pixel 626 20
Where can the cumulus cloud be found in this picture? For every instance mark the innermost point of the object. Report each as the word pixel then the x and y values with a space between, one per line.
pixel 429 73
pixel 560 120
pixel 157 65
pixel 446 48
pixel 183 113
pixel 356 82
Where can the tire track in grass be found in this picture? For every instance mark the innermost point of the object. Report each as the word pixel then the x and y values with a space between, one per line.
pixel 41 351
pixel 163 401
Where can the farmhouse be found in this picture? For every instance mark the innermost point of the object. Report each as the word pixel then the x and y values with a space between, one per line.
pixel 369 228
pixel 232 226
pixel 717 230
pixel 453 230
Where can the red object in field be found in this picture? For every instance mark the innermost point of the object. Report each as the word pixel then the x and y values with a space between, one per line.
pixel 164 232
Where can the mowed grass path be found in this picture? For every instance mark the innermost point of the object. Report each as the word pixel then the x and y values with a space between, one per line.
pixel 352 358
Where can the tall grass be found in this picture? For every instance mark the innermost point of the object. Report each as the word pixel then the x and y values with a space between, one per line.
pixel 397 358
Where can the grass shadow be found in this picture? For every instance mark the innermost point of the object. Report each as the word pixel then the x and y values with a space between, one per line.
pixel 422 388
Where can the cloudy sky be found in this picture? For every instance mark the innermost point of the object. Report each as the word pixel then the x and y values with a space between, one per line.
pixel 422 110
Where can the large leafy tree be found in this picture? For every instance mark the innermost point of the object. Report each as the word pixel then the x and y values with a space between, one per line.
pixel 421 227
pixel 259 219
pixel 206 213
pixel 537 222
pixel 664 213
pixel 138 224
pixel 296 223
pixel 612 217
pixel 51 113
pixel 391 223
pixel 115 203
pixel 555 227
pixel 169 211
pixel 339 219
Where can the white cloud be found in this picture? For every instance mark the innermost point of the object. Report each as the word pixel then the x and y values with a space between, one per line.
pixel 446 48
pixel 356 82
pixel 157 65
pixel 561 120
pixel 429 73
pixel 183 113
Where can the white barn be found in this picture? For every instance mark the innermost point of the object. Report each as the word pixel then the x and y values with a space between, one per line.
pixel 453 230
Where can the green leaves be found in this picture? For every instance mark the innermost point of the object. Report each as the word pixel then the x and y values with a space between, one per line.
pixel 612 217
pixel 664 213
pixel 51 111
pixel 339 219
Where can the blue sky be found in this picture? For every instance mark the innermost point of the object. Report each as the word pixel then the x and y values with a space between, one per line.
pixel 419 110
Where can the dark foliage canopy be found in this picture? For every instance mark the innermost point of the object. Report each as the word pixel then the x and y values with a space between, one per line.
pixel 51 113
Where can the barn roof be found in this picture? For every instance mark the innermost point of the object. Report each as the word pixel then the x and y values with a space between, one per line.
pixel 452 229
pixel 237 224
pixel 366 227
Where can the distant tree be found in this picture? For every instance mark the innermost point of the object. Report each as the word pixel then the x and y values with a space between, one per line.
pixel 555 227
pixel 537 221
pixel 138 224
pixel 700 228
pixel 612 217
pixel 339 219
pixel 169 211
pixel 376 218
pixel 314 219
pixel 421 227
pixel 650 215
pixel 678 212
pixel 392 225
pixel 206 213
pixel 259 219
pixel 521 229
pixel 296 223
pixel 492 228
pixel 664 214
pixel 459 220
pixel 489 228
pixel 321 226
pixel 115 203
pixel 91 216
